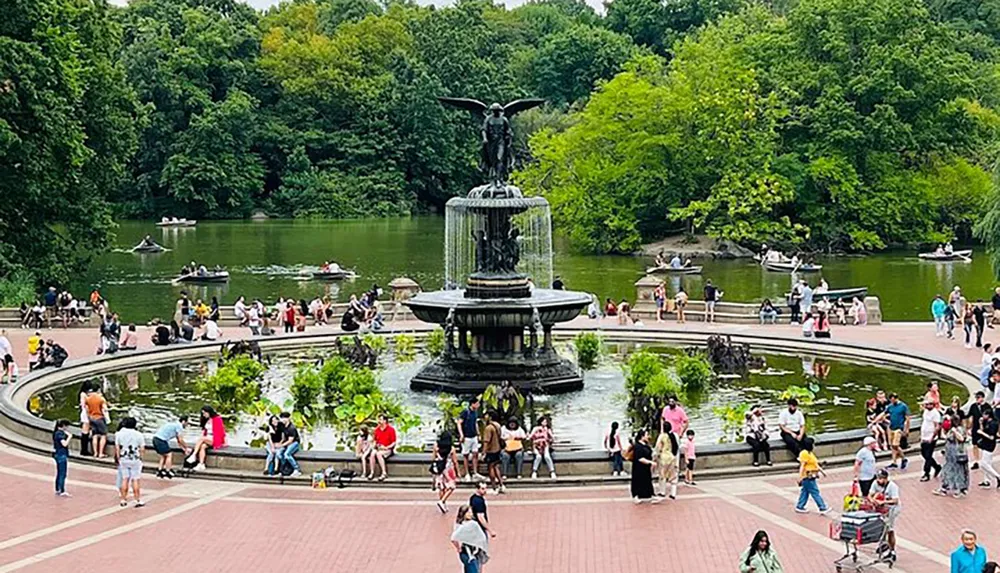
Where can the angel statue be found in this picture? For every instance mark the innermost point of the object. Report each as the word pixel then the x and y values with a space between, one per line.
pixel 496 159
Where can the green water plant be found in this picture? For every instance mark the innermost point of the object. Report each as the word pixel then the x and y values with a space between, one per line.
pixel 649 384
pixel 235 385
pixel 695 371
pixel 504 399
pixel 375 342
pixel 732 417
pixel 307 388
pixel 589 347
pixel 805 396
pixel 406 347
pixel 435 342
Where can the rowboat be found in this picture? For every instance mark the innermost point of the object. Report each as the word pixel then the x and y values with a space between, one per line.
pixel 692 270
pixel 177 222
pixel 210 277
pixel 838 293
pixel 333 275
pixel 790 267
pixel 153 248
pixel 964 256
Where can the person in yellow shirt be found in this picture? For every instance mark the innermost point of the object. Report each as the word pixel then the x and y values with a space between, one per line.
pixel 809 473
pixel 34 350
pixel 201 311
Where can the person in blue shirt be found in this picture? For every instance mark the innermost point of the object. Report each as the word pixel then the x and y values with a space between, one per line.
pixel 899 426
pixel 60 444
pixel 161 443
pixel 970 557
pixel 937 311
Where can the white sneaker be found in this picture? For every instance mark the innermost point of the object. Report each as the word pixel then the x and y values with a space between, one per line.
pixel 199 468
pixel 797 510
pixel 503 489
pixel 552 475
pixel 534 475
pixel 468 478
pixel 295 474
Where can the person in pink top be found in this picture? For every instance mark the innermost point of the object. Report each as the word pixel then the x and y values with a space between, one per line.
pixel 675 414
pixel 689 457
pixel 213 435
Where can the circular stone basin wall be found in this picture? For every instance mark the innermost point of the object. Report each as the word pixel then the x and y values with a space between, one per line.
pixel 155 386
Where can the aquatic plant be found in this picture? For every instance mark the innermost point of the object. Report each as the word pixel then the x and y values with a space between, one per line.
pixel 375 342
pixel 732 417
pixel 435 342
pixel 235 385
pixel 504 399
pixel 307 387
pixel 406 347
pixel 805 396
pixel 589 347
pixel 694 370
pixel 649 385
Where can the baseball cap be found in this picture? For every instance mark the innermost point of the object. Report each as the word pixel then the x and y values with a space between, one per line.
pixel 869 440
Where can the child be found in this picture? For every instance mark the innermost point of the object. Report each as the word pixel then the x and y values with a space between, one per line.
pixel 363 449
pixel 689 457
pixel 875 419
pixel 60 443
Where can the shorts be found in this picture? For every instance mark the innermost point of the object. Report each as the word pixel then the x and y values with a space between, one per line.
pixel 98 427
pixel 492 458
pixel 710 304
pixel 690 463
pixel 130 469
pixel 890 518
pixel 895 437
pixel 470 446
pixel 84 418
pixel 162 447
pixel 659 303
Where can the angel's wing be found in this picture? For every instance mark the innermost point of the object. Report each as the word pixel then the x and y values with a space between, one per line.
pixel 475 106
pixel 520 105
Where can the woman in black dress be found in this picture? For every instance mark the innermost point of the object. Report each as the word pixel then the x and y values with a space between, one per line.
pixel 642 468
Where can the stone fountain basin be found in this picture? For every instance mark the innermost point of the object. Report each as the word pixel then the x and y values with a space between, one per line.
pixel 553 306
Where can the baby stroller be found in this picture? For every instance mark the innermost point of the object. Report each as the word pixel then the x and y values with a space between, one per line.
pixel 859 528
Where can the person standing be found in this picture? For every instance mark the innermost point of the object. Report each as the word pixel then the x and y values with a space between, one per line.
pixel 760 557
pixel 477 503
pixel 129 445
pixel 795 303
pixel 955 476
pixel 468 433
pixel 930 427
pixel 445 468
pixel 937 311
pixel 968 557
pixel 899 426
pixel 665 454
pixel 975 420
pixel 967 320
pixel 97 413
pixel 491 451
pixel 680 302
pixel 161 443
pixel 809 473
pixel 864 465
pixel 885 496
pixel 979 318
pixel 987 446
pixel 674 416
pixel 613 445
pixel 793 427
pixel 712 295
pixel 641 486
pixel 660 297
pixel 60 445
pixel 541 444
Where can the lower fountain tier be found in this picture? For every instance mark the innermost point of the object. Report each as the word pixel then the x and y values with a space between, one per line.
pixel 495 313
pixel 547 373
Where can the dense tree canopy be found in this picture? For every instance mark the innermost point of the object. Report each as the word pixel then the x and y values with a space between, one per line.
pixel 842 124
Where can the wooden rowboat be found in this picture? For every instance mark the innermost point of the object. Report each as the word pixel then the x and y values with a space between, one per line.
pixel 210 277
pixel 838 293
pixel 790 268
pixel 692 270
pixel 333 275
pixel 962 256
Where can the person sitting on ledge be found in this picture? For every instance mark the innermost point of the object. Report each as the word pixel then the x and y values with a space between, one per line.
pixel 768 314
pixel 385 446
pixel 161 335
pixel 129 341
pixel 793 427
pixel 610 309
pixel 755 432
pixel 290 444
pixel 213 436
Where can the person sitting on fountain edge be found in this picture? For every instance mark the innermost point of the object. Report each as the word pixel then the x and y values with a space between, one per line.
pixel 793 427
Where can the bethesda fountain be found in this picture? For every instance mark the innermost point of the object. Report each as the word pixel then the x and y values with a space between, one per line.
pixel 496 308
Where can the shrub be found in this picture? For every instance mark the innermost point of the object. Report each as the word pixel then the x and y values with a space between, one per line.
pixel 694 372
pixel 649 385
pixel 307 387
pixel 230 391
pixel 246 367
pixel 16 288
pixel 732 417
pixel 588 349
pixel 435 342
pixel 805 396
pixel 375 342
pixel 406 347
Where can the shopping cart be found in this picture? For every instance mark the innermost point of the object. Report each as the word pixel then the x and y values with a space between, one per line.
pixel 857 529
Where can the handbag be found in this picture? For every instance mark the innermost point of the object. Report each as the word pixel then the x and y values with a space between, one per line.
pixel 852 501
pixel 629 452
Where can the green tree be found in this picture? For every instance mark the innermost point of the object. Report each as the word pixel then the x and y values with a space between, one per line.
pixel 570 62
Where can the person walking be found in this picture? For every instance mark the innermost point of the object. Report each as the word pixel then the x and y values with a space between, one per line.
pixel 129 445
pixel 955 476
pixel 809 473
pixel 987 446
pixel 864 465
pixel 969 557
pixel 445 469
pixel 470 541
pixel 979 319
pixel 491 451
pixel 899 427
pixel 665 455
pixel 974 422
pixel 60 445
pixel 930 427
pixel 885 497
pixel 937 311
pixel 760 557
pixel 641 486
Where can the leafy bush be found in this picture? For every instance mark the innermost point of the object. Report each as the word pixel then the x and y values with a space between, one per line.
pixel 16 288
pixel 307 387
pixel 805 396
pixel 375 342
pixel 504 399
pixel 435 342
pixel 649 385
pixel 694 372
pixel 450 408
pixel 588 349
pixel 246 367
pixel 352 395
pixel 732 417
pixel 232 389
pixel 406 347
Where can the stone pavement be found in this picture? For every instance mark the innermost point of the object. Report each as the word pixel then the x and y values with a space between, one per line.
pixel 195 525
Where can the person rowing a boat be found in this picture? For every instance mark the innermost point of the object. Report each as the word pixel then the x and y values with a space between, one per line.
pixel 948 249
pixel 659 261
pixel 675 262
pixel 147 242
pixel 939 251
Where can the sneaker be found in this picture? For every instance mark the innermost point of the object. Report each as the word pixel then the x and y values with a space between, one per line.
pixel 534 475
pixel 468 478
pixel 975 466
pixel 672 496
pixel 63 494
pixel 441 508
pixel 296 474
pixel 770 463
pixel 170 474
pixel 892 466
pixel 825 511
pixel 905 463
pixel 552 475
pixel 655 500
pixel 503 489
pixel 481 477
pixel 636 501
pixel 958 494
pixel 801 510
pixel 692 482
pixel 659 494
pixel 985 484
pixel 937 472
pixel 941 492
pixel 160 474
pixel 267 473
pixel 925 478
pixel 140 503
pixel 199 468
pixel 756 464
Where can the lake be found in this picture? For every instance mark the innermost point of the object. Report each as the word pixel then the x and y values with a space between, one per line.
pixel 266 257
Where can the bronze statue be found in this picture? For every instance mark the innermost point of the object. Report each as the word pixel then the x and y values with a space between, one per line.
pixel 496 159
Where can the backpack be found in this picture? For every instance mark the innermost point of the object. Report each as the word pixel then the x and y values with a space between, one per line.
pixel 286 468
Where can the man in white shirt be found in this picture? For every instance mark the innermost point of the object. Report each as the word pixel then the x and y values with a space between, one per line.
pixel 793 427
pixel 864 465
pixel 930 427
pixel 254 321
pixel 885 494
pixel 129 445
pixel 212 330
pixel 240 310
